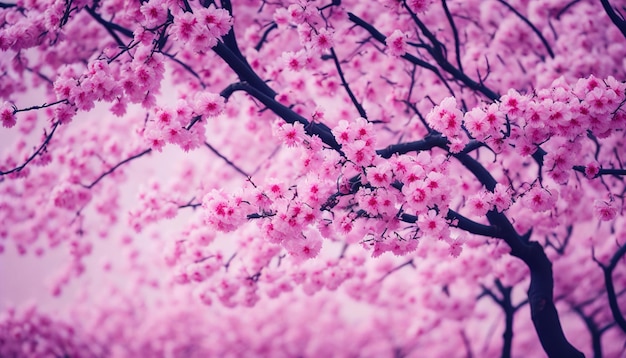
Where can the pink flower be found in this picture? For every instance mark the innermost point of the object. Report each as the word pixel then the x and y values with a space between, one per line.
pixel 304 247
pixel 295 61
pixel 416 197
pixel 592 169
pixel 281 17
pixel 431 224
pixel 419 5
pixel 323 40
pixel 446 118
pixel 154 12
pixel 224 213
pixel 360 152
pixel 218 21
pixel 599 100
pixel 275 189
pixel 70 196
pixel 479 204
pixel 184 26
pixel 7 115
pixel 368 201
pixel 396 43
pixel 362 129
pixel 380 175
pixel 296 13
pixel 501 198
pixel 208 104
pixel 605 211
pixel 476 123
pixel 536 114
pixel 512 103
pixel 539 199
pixel 458 143
pixel 290 134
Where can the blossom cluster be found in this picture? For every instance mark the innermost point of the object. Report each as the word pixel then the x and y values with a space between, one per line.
pixel 357 140
pixel 70 196
pixel 154 205
pixel 200 29
pixel 183 124
pixel 315 39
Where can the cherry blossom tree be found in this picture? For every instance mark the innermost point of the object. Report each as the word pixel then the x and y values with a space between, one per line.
pixel 315 178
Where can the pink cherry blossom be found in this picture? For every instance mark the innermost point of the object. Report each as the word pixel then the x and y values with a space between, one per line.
pixel 313 179
pixel 7 115
pixel 396 43
pixel 605 211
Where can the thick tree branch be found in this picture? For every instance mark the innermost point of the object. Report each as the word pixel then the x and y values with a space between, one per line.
pixel 243 70
pixel 286 113
pixel 594 330
pixel 462 223
pixel 540 292
pixel 110 27
pixel 618 20
pixel 581 169
pixel 610 286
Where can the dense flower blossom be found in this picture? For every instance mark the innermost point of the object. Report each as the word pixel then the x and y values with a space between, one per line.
pixel 446 117
pixel 193 170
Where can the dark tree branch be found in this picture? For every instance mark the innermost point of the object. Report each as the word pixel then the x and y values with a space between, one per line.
pixel 266 33
pixel 429 142
pixel 378 36
pixel 407 263
pixel 461 222
pixel 243 70
pixel 530 24
pixel 45 105
pixel 455 33
pixel 594 330
pixel 614 16
pixel 186 67
pixel 565 8
pixel 437 51
pixel 356 103
pixel 116 166
pixel 37 152
pixel 187 6
pixel 230 163
pixel 509 313
pixel 610 286
pixel 286 113
pixel 581 169
pixel 230 42
pixel 540 292
pixel 110 27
